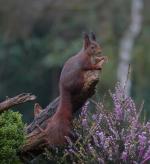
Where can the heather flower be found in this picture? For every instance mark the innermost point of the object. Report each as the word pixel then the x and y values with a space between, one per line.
pixel 84 113
pixel 124 156
pixel 96 142
pixel 146 155
pixel 84 109
pixel 142 139
pixel 84 122
pixel 110 136
pixel 101 161
pixel 94 117
pixel 101 137
pixel 118 112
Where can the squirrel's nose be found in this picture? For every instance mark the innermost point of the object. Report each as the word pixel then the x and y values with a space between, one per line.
pixel 99 50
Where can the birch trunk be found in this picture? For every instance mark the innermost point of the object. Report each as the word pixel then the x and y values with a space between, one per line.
pixel 127 44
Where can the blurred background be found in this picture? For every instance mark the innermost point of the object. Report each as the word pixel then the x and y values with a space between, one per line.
pixel 37 36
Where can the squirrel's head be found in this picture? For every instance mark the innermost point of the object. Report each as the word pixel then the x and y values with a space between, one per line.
pixel 90 46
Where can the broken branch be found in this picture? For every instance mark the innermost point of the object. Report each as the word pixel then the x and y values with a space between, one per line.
pixel 19 99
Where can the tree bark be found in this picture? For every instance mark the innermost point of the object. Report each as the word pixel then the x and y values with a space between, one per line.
pixel 127 44
pixel 19 99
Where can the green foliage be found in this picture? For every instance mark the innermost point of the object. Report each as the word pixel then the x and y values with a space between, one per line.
pixel 11 136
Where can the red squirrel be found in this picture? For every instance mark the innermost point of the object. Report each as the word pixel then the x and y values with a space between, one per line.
pixel 71 82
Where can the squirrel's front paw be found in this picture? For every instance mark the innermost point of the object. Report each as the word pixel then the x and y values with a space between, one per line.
pixel 98 59
pixel 102 61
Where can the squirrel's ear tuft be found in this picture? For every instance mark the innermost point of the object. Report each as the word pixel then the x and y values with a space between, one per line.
pixel 86 42
pixel 93 37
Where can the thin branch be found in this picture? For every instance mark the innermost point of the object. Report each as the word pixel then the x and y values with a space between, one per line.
pixel 19 99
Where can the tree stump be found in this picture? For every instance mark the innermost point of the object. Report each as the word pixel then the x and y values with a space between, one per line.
pixel 34 135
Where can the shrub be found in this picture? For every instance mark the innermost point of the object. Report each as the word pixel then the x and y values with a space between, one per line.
pixel 11 136
pixel 107 136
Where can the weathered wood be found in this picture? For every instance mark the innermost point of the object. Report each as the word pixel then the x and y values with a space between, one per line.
pixel 19 99
pixel 34 135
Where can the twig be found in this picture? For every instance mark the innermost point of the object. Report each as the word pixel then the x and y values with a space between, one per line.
pixel 19 99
